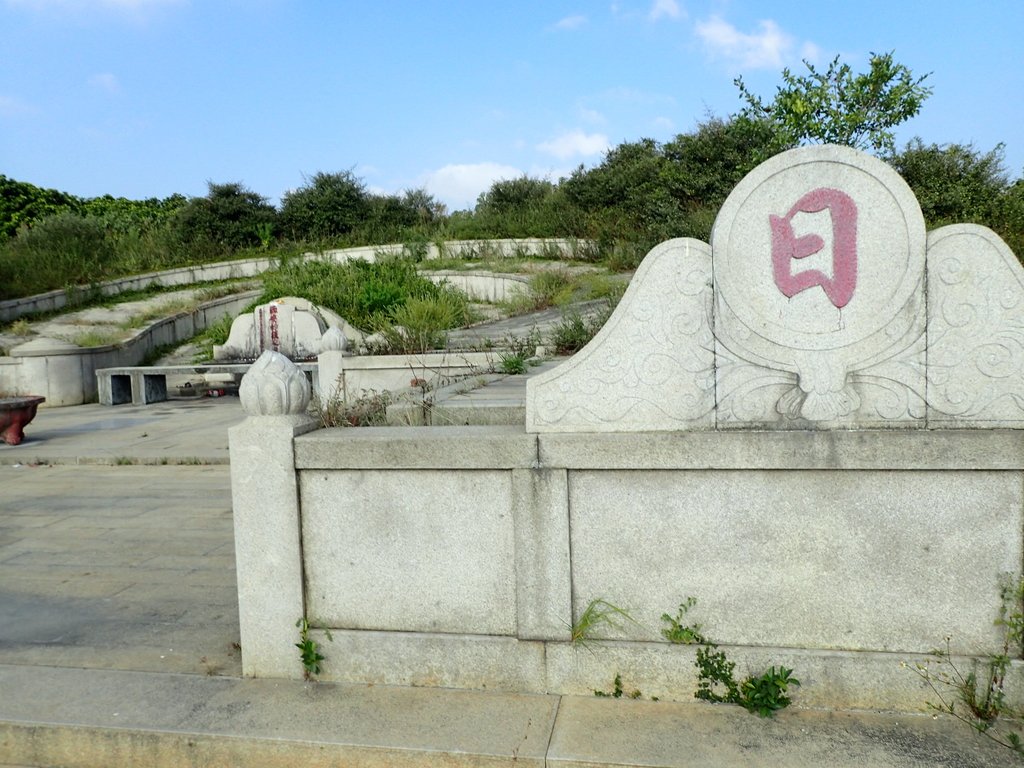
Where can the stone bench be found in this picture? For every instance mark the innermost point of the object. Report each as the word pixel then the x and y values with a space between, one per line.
pixel 15 413
pixel 141 385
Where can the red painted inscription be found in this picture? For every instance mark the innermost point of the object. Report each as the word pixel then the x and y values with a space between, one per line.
pixel 786 247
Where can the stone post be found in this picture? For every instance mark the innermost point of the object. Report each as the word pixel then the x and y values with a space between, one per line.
pixel 264 491
pixel 331 364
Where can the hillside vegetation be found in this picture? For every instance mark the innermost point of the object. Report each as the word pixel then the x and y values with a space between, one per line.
pixel 642 192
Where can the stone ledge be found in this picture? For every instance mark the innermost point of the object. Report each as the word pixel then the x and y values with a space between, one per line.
pixel 833 680
pixel 455 447
pixel 864 449
pixel 509 446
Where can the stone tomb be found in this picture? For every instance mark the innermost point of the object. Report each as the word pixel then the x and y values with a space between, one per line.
pixel 820 303
pixel 290 325
pixel 811 426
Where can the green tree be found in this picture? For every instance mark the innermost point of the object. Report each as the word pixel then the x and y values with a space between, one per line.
pixel 521 207
pixel 24 204
pixel 123 215
pixel 625 197
pixel 954 183
pixel 1011 217
pixel 701 168
pixel 838 107
pixel 227 219
pixel 329 206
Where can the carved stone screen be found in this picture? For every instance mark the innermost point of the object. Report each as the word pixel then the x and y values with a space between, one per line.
pixel 820 303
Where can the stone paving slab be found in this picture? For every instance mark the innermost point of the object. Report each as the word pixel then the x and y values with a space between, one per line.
pixel 173 432
pixel 108 718
pixel 118 567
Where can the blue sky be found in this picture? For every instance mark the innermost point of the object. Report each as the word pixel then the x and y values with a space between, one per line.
pixel 145 98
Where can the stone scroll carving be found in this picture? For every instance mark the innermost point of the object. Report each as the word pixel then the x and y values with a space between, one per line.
pixel 651 366
pixel 821 303
pixel 975 329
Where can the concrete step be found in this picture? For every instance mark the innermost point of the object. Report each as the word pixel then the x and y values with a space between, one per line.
pixel 77 718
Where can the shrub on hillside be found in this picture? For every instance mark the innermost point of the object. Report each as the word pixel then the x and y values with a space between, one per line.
pixel 229 218
pixel 327 207
pixel 362 292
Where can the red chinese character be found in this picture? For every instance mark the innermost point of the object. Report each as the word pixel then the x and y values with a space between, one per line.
pixel 786 247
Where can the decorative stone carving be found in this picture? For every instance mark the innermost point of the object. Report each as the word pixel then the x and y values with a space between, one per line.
pixel 810 310
pixel 819 257
pixel 652 365
pixel 274 386
pixel 975 329
pixel 333 340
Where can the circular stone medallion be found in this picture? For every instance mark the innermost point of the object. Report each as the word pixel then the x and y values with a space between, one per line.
pixel 818 248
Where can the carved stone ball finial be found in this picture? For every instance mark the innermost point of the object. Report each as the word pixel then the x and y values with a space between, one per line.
pixel 274 386
pixel 333 340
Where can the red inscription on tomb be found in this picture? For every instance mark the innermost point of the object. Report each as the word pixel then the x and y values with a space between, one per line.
pixel 786 247
pixel 275 338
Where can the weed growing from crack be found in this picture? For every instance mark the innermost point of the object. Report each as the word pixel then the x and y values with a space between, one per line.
pixel 309 650
pixel 676 631
pixel 978 700
pixel 598 613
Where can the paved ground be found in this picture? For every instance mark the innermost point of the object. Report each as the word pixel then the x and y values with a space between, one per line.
pixel 118 620
pixel 118 568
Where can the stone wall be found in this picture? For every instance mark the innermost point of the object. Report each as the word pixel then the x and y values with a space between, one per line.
pixel 461 556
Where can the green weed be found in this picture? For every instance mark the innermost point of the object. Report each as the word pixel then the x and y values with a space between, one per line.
pixel 421 324
pixel 979 700
pixel 572 333
pixel 98 338
pixel 309 650
pixel 676 631
pixel 511 363
pixel 763 694
pixel 598 613
pixel 20 328
pixel 617 690
pixel 370 409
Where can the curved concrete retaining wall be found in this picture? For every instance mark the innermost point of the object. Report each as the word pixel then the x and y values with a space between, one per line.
pixel 483 286
pixel 66 374
pixel 56 300
pixel 225 270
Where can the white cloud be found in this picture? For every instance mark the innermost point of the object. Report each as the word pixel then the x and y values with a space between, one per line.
pixel 592 116
pixel 575 143
pixel 459 185
pixel 570 23
pixel 105 81
pixel 767 48
pixel 665 9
